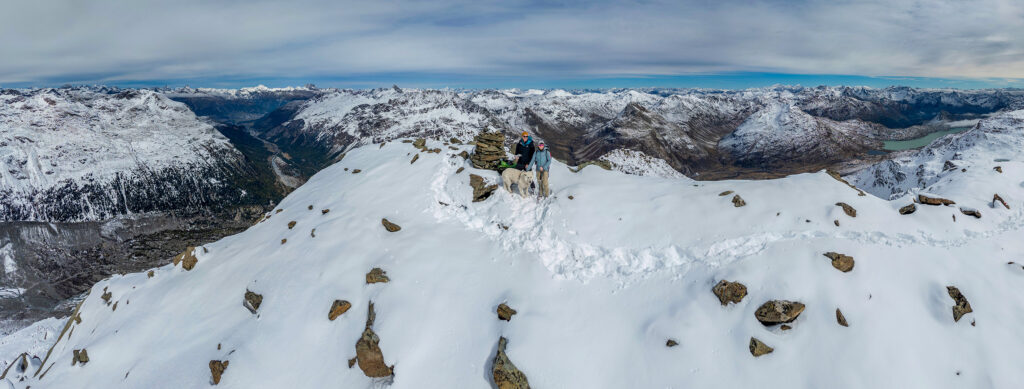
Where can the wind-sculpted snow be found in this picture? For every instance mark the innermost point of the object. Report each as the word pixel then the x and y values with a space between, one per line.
pixel 599 281
pixel 992 142
pixel 83 154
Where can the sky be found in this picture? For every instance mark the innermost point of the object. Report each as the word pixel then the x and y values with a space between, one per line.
pixel 502 44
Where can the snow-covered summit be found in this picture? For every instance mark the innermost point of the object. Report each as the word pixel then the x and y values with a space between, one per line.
pixel 601 276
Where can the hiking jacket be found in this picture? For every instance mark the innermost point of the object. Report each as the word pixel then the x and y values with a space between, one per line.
pixel 541 158
pixel 525 152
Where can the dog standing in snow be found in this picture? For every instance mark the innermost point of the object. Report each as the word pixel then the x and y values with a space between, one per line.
pixel 520 178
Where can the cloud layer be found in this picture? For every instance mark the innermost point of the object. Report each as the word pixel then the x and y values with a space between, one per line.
pixel 110 41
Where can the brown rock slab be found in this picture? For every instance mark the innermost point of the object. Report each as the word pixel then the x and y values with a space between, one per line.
pixel 505 373
pixel 726 193
pixel 391 227
pixel 459 170
pixel 971 212
pixel 778 312
pixel 481 191
pixel 291 224
pixel 252 301
pixel 962 306
pixel 414 158
pixel 928 200
pixel 729 292
pixel 356 171
pixel 79 356
pixel 338 308
pixel 737 201
pixel 996 198
pixel 187 259
pixel 505 312
pixel 217 369
pixel 377 275
pixel 909 209
pixel 841 319
pixel 841 262
pixel 849 210
pixel 758 348
pixel 368 353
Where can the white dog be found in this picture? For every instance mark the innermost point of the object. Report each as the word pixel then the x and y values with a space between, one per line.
pixel 520 178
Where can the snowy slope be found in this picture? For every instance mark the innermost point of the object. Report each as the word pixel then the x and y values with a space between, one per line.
pixel 600 282
pixel 978 150
pixel 84 154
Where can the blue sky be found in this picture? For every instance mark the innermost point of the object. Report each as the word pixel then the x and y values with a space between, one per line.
pixel 512 43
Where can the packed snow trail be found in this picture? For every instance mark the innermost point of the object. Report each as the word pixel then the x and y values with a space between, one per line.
pixel 600 283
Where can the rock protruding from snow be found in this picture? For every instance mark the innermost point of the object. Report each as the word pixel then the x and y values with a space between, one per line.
pixel 338 307
pixel 908 209
pixel 841 319
pixel 505 373
pixel 841 262
pixel 217 369
pixel 79 356
pixel 934 200
pixel 388 225
pixel 252 301
pixel 849 210
pixel 490 148
pixel 368 354
pixel 505 312
pixel 738 201
pixel 778 312
pixel 377 275
pixel 729 292
pixel 481 191
pixel 187 258
pixel 997 198
pixel 758 348
pixel 971 212
pixel 962 306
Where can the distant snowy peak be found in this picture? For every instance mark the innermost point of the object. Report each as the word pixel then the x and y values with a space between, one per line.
pixel 992 141
pixel 249 92
pixel 72 154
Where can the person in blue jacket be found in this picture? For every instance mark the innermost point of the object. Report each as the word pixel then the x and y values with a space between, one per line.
pixel 542 159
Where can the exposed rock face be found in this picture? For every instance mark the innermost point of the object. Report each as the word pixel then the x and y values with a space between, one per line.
pixel 376 275
pixel 996 198
pixel 79 356
pixel 481 191
pixel 391 227
pixel 778 312
pixel 506 375
pixel 368 353
pixel 841 319
pixel 971 212
pixel 934 200
pixel 217 369
pixel 337 308
pixel 729 292
pixel 505 312
pixel 489 150
pixel 187 258
pixel 737 201
pixel 962 307
pixel 850 211
pixel 909 209
pixel 252 301
pixel 834 174
pixel 841 262
pixel 758 348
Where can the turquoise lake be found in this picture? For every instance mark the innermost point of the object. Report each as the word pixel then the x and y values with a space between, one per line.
pixel 897 145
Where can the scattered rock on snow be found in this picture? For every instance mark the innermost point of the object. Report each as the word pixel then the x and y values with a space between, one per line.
pixel 971 212
pixel 150 274
pixel 726 193
pixel 505 373
pixel 217 370
pixel 928 200
pixel 285 240
pixel 758 348
pixel 998 169
pixel 391 227
pixel 737 201
pixel 570 197
pixel 909 209
pixel 836 222
pixel 414 158
pixel 291 224
pixel 841 319
pixel 79 356
pixel 420 143
pixel 481 191
pixel 962 307
pixel 368 353
pixel 505 312
pixel 459 170
pixel 324 211
pixel 671 343
pixel 996 198
pixel 106 297
pixel 186 258
pixel 729 292
pixel 849 210
pixel 356 171
pixel 252 301
pixel 841 262
pixel 778 312
pixel 338 308
pixel 376 275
